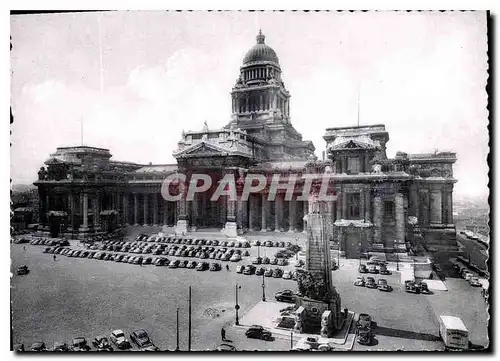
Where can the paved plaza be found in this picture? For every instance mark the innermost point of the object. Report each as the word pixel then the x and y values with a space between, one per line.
pixel 69 297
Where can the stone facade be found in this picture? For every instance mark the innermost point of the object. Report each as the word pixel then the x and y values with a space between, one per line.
pixel 375 195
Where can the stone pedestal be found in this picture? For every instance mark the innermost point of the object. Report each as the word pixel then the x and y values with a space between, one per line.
pixel 181 228
pixel 230 229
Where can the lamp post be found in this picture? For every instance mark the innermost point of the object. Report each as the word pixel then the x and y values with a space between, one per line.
pixel 359 252
pixel 263 288
pixel 177 345
pixel 237 306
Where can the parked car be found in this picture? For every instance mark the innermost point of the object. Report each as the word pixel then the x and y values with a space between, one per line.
pixel 183 263
pixel 101 343
pixel 61 346
pixel 287 275
pixel 174 264
pixel 382 285
pixel 249 269
pixel 268 272
pixel 383 270
pixel 257 331
pixel 138 260
pixel 202 266
pixel 370 282
pixel 160 261
pixel 362 268
pixel 240 268
pixel 224 347
pixel 191 264
pixel 260 271
pixel 299 263
pixel 278 273
pixel 285 296
pixel 360 281
pixel 282 262
pixel 266 260
pixel 422 286
pixel 119 339
pixel 411 287
pixel 364 321
pixel 18 347
pixel 38 346
pixel 365 336
pixel 141 339
pixel 257 260
pixel 80 344
pixel 215 267
pixel 235 257
pixel 372 269
pixel 23 270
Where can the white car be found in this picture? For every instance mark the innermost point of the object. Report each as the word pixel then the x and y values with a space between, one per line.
pixel 119 339
pixel 235 257
pixel 287 275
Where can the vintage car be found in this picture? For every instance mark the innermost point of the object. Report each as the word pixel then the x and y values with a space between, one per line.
pixel 370 282
pixel 141 339
pixel 80 344
pixel 372 269
pixel 360 281
pixel 202 266
pixel 215 267
pixel 285 296
pixel 362 268
pixel 382 285
pixel 38 346
pixel 101 343
pixel 365 336
pixel 119 339
pixel 383 270
pixel 287 275
pixel 278 273
pixel 257 331
pixel 364 321
pixel 23 270
pixel 61 346
pixel 249 269
pixel 268 272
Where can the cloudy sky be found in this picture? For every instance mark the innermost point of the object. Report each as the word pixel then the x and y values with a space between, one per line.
pixel 137 79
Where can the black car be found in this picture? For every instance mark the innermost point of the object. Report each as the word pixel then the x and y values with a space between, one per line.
pixel 365 336
pixel 80 344
pixel 141 339
pixel 38 346
pixel 61 346
pixel 285 296
pixel 101 343
pixel 257 331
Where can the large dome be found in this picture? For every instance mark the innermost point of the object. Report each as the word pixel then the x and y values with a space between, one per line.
pixel 260 52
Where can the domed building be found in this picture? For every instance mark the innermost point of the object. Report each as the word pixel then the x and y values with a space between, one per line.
pixel 380 205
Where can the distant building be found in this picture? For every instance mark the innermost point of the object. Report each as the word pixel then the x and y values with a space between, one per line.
pixel 375 195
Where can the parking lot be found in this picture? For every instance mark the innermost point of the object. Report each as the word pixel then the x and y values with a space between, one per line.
pixel 69 297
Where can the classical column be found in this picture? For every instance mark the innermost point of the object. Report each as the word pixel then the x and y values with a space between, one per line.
pixel 95 210
pixel 194 210
pixel 85 211
pixel 125 208
pixel 71 208
pixel 362 205
pixel 278 213
pixel 449 206
pixel 239 212
pixel 291 214
pixel 400 217
pixel 377 219
pixel 436 201
pixel 251 210
pixel 165 212
pixel 339 205
pixel 146 209
pixel 368 208
pixel 413 211
pixel 265 204
pixel 344 207
pixel 136 209
pixel 155 209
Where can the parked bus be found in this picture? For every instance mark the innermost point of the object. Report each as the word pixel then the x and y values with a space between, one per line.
pixel 453 332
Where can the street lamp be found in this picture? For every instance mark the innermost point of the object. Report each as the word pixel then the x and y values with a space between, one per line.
pixel 263 288
pixel 237 306
pixel 177 347
pixel 359 252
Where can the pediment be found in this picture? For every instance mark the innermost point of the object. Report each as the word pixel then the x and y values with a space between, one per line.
pixel 202 150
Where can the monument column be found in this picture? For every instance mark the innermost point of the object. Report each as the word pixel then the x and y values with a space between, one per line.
pixel 71 206
pixel 291 214
pixel 155 209
pixel 146 206
pixel 377 218
pixel 436 200
pixel 136 209
pixel 278 213
pixel 85 211
pixel 264 213
pixel 400 217
pixel 449 204
pixel 125 208
pixel 251 210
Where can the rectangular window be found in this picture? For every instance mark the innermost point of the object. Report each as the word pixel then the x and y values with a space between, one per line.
pixel 353 166
pixel 353 206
